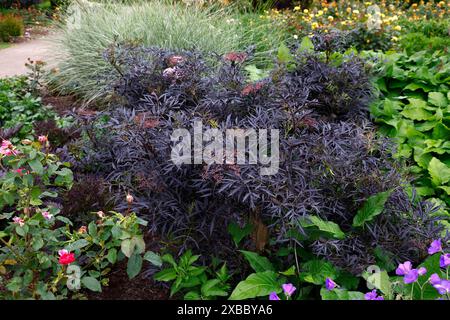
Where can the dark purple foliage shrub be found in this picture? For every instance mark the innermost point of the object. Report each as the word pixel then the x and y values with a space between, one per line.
pixel 56 135
pixel 87 195
pixel 330 159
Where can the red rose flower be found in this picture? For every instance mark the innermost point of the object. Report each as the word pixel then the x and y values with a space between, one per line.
pixel 65 257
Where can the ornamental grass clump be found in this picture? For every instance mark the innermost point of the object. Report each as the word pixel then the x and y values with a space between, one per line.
pixel 90 27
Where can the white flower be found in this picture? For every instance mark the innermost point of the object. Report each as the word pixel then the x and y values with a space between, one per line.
pixel 62 252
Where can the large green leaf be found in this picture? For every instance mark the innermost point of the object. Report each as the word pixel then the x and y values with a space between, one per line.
pixel 257 285
pixel 211 288
pixel 238 233
pixel 416 110
pixel 340 294
pixel 166 275
pixel 439 172
pixel 327 226
pixel 36 166
pixel 257 262
pixel 134 244
pixel 77 245
pixel 437 99
pixel 284 54
pixel 153 258
pixel 255 74
pixel 306 45
pixel 92 284
pixel 316 271
pixel 112 255
pixel 134 265
pixel 373 206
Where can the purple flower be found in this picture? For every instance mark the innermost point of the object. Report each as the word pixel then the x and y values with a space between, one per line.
pixel 330 284
pixel 444 262
pixel 441 285
pixel 373 295
pixel 422 271
pixel 410 275
pixel 273 296
pixel 288 289
pixel 404 268
pixel 436 246
pixel 434 279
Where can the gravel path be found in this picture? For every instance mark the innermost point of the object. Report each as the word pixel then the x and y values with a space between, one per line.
pixel 13 59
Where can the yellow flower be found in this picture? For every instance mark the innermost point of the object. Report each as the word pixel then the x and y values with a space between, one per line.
pixel 368 41
pixel 330 18
pixel 355 11
pixel 305 11
pixel 349 10
pixel 319 13
pixel 297 8
pixel 398 28
pixel 314 25
pixel 394 38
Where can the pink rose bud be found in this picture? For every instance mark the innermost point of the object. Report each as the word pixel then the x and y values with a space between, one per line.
pixel 130 198
pixel 27 141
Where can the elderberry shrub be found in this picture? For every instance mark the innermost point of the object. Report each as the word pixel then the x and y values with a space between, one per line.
pixel 331 162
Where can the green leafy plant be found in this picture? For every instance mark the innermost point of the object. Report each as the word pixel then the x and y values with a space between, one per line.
pixel 19 107
pixel 29 173
pixel 192 279
pixel 414 110
pixel 41 256
pixel 261 283
pixel 10 26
